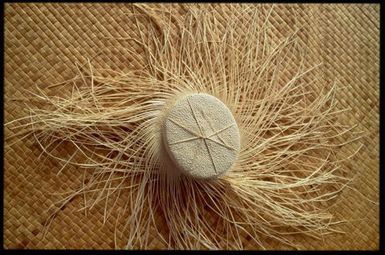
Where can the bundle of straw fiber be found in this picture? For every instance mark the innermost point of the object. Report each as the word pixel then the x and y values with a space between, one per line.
pixel 97 132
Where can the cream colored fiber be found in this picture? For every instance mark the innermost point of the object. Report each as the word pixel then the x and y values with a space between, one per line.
pixel 201 136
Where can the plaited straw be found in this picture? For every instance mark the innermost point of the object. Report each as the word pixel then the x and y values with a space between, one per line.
pixel 44 40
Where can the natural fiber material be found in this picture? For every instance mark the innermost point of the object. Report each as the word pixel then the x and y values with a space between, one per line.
pixel 201 136
pixel 311 37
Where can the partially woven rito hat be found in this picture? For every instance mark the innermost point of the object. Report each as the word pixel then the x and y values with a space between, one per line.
pixel 221 132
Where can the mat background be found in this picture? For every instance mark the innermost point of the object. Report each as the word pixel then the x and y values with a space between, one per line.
pixel 42 43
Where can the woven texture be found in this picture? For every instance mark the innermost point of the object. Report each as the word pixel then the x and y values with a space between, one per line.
pixel 42 43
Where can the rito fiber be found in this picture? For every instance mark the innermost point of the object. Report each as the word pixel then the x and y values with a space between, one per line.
pixel 221 135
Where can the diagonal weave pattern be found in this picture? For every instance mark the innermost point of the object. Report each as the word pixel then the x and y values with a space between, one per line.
pixel 42 43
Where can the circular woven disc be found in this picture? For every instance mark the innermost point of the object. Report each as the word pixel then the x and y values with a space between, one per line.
pixel 201 136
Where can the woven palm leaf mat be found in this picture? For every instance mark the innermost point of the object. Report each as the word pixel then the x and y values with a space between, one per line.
pixel 42 43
